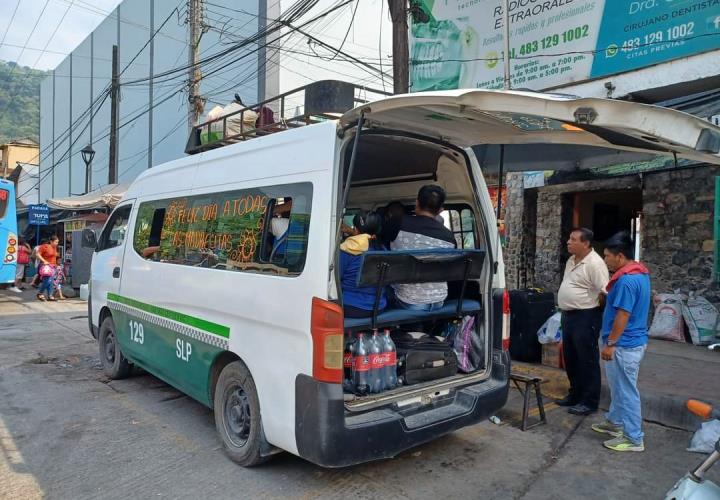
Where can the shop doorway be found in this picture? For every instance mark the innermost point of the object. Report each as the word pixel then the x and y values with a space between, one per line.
pixel 607 212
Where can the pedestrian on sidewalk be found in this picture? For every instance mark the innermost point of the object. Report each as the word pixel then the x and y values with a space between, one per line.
pixel 35 283
pixel 47 254
pixel 23 259
pixel 584 281
pixel 624 338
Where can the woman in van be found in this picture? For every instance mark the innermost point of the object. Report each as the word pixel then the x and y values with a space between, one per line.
pixel 358 302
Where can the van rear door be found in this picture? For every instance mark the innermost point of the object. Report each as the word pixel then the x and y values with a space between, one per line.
pixel 545 131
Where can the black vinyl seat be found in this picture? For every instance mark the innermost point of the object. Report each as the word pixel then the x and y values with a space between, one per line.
pixel 381 268
pixel 396 317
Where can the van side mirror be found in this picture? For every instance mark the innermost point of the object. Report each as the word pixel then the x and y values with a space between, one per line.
pixel 89 240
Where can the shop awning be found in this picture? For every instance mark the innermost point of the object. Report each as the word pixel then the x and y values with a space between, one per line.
pixel 105 197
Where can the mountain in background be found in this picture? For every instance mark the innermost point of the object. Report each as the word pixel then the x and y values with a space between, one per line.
pixel 19 102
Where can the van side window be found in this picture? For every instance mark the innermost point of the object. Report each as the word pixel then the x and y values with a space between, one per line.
pixel 461 221
pixel 261 230
pixel 114 232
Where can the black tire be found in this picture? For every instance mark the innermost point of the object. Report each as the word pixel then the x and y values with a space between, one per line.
pixel 237 415
pixel 114 364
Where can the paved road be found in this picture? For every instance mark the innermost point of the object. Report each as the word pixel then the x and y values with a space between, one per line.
pixel 67 432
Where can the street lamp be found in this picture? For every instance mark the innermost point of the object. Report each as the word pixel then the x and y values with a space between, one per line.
pixel 88 153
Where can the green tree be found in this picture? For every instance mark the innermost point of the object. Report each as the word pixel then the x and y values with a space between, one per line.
pixel 19 102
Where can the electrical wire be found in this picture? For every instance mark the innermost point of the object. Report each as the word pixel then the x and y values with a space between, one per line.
pixel 352 20
pixel 12 18
pixel 32 32
pixel 171 94
pixel 382 5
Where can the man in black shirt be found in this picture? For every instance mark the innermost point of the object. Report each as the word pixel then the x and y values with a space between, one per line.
pixel 422 231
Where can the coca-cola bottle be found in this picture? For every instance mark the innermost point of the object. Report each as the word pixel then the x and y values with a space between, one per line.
pixel 377 365
pixel 348 363
pixel 390 361
pixel 361 365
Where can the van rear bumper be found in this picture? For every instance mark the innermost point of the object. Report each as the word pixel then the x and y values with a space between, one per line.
pixel 329 437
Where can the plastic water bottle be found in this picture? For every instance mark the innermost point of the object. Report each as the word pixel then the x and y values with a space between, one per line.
pixel 390 360
pixel 348 363
pixel 361 365
pixel 377 365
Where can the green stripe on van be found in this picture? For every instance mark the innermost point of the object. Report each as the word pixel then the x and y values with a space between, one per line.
pixel 200 324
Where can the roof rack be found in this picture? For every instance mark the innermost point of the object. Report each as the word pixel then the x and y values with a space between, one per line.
pixel 313 103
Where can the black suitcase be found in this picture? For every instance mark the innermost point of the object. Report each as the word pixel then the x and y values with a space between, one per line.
pixel 423 359
pixel 529 309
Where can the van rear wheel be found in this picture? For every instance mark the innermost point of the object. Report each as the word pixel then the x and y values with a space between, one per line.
pixel 114 364
pixel 237 415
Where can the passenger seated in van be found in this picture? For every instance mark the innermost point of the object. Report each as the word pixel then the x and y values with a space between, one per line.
pixel 358 302
pixel 393 214
pixel 279 226
pixel 422 231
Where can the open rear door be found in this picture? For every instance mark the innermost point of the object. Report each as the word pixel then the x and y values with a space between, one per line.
pixel 546 131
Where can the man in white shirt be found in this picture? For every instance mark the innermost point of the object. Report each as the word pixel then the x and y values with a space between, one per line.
pixel 579 298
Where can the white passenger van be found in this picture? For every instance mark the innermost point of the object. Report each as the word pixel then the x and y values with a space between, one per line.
pixel 188 284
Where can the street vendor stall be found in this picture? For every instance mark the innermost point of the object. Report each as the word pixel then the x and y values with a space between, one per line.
pixel 76 259
pixel 89 210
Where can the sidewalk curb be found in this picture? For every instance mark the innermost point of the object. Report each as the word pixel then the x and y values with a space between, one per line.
pixel 658 407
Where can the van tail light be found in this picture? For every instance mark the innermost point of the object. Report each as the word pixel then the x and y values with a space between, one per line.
pixel 506 321
pixel 326 327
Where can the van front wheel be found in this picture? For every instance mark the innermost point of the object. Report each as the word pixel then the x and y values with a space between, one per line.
pixel 114 364
pixel 237 415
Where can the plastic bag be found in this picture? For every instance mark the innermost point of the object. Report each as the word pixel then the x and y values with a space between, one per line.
pixel 701 318
pixel 468 346
pixel 46 270
pixel 550 332
pixel 704 439
pixel 668 321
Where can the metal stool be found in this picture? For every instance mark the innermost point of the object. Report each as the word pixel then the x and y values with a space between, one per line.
pixel 530 383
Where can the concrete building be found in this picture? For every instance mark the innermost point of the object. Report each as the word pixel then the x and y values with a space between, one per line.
pixel 15 152
pixel 154 98
pixel 153 105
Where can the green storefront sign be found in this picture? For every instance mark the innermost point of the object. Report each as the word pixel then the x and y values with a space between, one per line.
pixel 459 43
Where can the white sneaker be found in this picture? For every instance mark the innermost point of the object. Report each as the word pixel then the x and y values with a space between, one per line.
pixel 15 289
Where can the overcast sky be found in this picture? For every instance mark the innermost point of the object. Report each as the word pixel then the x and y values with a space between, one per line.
pixel 58 26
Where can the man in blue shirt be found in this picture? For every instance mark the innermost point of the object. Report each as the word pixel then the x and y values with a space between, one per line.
pixel 624 336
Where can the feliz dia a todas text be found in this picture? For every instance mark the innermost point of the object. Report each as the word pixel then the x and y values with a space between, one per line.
pixel 179 212
pixel 244 250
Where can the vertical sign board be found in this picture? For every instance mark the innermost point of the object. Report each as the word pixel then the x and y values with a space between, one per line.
pixel 459 43
pixel 38 215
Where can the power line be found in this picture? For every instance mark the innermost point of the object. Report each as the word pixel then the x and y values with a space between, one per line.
pixel 352 20
pixel 12 18
pixel 30 35
pixel 298 9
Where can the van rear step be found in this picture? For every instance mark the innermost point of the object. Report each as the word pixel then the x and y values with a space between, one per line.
pixel 407 395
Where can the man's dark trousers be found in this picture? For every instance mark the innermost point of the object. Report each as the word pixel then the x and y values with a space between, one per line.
pixel 580 335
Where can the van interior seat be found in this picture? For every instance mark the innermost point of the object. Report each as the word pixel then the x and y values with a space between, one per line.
pixel 379 269
pixel 395 317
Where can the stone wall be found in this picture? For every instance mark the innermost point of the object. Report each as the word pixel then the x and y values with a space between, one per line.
pixel 678 242
pixel 548 240
pixel 677 229
pixel 513 226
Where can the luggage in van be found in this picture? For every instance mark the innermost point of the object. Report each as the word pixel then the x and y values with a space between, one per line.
pixel 529 309
pixel 421 358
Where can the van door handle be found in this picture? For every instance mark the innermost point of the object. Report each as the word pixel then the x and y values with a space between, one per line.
pixel 116 272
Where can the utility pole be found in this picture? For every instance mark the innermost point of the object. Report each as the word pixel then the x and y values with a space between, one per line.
pixel 506 42
pixel 195 30
pixel 114 115
pixel 401 53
